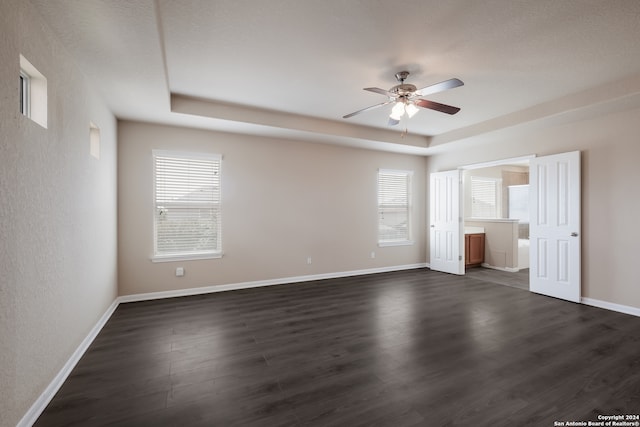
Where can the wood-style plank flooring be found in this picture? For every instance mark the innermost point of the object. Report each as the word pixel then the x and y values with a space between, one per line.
pixel 409 348
pixel 518 279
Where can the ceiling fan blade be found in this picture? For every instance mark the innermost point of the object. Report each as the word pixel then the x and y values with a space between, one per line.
pixel 366 109
pixel 443 108
pixel 439 87
pixel 381 91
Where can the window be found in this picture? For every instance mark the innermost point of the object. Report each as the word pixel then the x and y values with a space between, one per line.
pixel 519 202
pixel 394 207
pixel 25 84
pixel 33 93
pixel 485 197
pixel 94 140
pixel 187 198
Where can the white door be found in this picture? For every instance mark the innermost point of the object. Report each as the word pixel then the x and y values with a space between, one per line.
pixel 445 233
pixel 554 227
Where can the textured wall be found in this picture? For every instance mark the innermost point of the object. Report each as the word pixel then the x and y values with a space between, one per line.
pixel 58 214
pixel 282 202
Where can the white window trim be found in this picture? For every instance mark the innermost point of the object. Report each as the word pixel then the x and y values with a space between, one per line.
pixel 158 258
pixel 37 92
pixel 400 242
pixel 396 243
pixel 25 93
pixel 186 257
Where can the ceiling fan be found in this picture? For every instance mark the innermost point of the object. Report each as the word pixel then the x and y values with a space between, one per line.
pixel 407 98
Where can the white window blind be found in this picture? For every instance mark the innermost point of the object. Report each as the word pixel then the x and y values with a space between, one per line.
pixel 187 197
pixel 394 206
pixel 485 197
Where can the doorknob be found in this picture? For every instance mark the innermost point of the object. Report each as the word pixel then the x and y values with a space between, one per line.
pixel 433 226
pixel 574 234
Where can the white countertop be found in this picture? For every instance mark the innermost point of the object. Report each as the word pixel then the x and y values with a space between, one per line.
pixel 473 230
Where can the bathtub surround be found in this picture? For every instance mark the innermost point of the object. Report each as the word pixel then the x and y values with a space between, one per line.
pixel 523 254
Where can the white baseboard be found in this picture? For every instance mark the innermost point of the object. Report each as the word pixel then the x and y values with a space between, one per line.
pixel 41 403
pixel 260 283
pixel 634 311
pixel 493 267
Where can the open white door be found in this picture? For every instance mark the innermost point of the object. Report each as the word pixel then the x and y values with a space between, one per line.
pixel 554 228
pixel 445 234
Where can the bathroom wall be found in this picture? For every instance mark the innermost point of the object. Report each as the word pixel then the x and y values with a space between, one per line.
pixel 501 242
pixel 509 174
pixel 512 175
pixel 501 234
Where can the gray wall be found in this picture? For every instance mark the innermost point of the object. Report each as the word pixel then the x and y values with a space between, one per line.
pixel 58 213
pixel 283 201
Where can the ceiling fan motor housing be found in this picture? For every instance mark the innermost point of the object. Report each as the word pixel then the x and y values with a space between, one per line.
pixel 403 89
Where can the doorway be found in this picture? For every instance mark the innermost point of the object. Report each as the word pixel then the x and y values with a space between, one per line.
pixel 495 204
pixel 554 227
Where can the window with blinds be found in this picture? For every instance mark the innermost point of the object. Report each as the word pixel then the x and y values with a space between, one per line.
pixel 485 197
pixel 187 198
pixel 394 207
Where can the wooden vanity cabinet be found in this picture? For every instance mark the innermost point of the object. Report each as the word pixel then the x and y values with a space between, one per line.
pixel 473 249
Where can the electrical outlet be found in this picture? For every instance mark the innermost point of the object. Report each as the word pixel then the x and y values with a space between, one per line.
pixel 308 260
pixel 373 255
pixel 179 271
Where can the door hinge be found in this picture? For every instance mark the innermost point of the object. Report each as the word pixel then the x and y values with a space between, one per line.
pixel 459 257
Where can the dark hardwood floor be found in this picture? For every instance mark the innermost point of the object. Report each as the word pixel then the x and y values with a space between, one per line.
pixel 409 348
pixel 518 279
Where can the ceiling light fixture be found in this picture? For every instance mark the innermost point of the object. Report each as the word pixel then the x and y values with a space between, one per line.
pixel 407 98
pixel 402 107
pixel 411 109
pixel 397 111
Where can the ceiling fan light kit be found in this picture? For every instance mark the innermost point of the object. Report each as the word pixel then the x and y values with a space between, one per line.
pixel 407 98
pixel 397 111
pixel 411 110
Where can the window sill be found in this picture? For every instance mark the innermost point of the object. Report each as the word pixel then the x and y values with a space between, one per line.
pixel 396 243
pixel 186 257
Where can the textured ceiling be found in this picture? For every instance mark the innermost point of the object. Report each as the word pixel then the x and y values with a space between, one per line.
pixel 292 68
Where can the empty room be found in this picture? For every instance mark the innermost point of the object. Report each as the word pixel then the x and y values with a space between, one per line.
pixel 299 213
